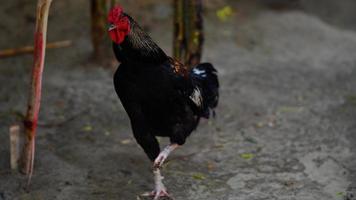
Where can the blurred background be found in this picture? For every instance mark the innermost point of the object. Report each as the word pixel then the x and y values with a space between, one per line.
pixel 285 126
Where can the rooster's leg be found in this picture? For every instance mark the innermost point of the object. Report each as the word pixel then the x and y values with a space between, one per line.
pixel 163 155
pixel 160 190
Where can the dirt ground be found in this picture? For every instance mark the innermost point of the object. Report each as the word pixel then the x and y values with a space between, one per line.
pixel 285 126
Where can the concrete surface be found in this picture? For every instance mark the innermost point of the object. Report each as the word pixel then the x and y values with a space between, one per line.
pixel 285 126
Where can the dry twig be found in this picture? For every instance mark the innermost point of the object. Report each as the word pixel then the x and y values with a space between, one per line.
pixel 30 49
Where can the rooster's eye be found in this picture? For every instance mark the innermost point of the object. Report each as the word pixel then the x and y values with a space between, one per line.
pixel 112 27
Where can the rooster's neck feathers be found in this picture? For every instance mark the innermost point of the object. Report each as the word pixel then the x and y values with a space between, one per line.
pixel 138 46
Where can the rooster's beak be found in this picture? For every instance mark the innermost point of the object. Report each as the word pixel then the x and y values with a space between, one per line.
pixel 112 27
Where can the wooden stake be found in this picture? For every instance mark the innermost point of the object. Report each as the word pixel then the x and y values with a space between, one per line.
pixel 29 49
pixel 195 34
pixel 15 145
pixel 188 31
pixel 27 158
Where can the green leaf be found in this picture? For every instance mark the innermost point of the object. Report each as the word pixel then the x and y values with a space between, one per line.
pixel 259 124
pixel 340 194
pixel 87 128
pixel 351 99
pixel 224 13
pixel 198 176
pixel 247 156
pixel 251 140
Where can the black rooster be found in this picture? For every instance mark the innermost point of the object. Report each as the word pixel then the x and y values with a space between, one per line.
pixel 160 95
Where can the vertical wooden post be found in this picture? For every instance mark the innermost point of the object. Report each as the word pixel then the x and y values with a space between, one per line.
pixel 27 158
pixel 188 31
pixel 99 27
pixel 178 32
pixel 196 34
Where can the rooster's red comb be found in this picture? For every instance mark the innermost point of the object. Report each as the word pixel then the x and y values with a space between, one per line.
pixel 114 14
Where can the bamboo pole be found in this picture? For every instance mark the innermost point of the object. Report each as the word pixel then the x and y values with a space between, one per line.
pixel 188 31
pixel 29 49
pixel 27 159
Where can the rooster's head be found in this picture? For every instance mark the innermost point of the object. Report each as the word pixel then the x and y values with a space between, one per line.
pixel 119 24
